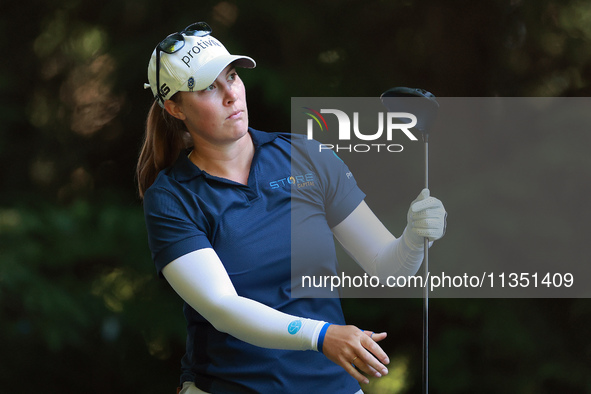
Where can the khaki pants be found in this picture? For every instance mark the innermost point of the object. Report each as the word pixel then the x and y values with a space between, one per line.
pixel 190 388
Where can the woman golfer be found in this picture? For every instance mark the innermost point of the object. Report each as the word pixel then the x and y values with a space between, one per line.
pixel 222 202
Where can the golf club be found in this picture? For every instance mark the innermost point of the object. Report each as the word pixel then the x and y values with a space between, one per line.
pixel 424 106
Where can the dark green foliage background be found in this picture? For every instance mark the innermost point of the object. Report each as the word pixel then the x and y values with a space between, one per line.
pixel 81 309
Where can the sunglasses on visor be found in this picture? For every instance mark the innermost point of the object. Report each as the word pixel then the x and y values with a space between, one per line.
pixel 174 43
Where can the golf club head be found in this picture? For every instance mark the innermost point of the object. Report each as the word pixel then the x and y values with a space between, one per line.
pixel 418 102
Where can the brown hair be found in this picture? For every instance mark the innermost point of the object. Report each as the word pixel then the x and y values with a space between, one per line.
pixel 166 136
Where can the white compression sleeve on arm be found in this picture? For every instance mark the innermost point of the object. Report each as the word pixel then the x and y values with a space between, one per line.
pixel 374 248
pixel 201 280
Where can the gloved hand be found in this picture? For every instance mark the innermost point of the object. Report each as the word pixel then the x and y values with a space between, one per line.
pixel 426 218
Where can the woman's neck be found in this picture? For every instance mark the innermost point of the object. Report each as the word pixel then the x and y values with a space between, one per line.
pixel 231 161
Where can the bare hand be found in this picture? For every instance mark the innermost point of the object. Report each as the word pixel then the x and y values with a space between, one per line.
pixel 350 347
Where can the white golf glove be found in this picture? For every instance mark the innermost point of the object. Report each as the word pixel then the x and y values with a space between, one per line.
pixel 426 218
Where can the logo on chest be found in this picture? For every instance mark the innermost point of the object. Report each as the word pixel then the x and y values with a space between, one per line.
pixel 297 181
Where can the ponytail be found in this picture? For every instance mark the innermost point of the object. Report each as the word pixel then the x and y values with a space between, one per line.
pixel 166 136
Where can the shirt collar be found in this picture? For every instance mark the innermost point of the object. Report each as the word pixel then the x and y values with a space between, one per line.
pixel 184 169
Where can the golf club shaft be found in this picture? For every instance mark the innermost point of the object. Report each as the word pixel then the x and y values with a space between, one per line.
pixel 426 322
pixel 426 288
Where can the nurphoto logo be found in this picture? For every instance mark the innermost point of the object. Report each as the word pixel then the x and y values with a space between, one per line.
pixel 390 123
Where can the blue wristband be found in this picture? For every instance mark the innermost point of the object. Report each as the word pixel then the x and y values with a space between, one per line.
pixel 321 337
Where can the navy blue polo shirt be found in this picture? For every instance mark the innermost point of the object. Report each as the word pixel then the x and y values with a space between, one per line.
pixel 294 195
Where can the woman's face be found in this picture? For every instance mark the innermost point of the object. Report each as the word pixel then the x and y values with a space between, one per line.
pixel 218 114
